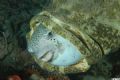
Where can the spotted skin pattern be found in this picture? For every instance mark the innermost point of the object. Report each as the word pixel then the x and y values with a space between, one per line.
pixel 93 29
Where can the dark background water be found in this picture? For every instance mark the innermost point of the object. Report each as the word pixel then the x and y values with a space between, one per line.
pixel 14 59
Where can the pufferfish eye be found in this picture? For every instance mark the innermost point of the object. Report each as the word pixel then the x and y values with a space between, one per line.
pixel 50 33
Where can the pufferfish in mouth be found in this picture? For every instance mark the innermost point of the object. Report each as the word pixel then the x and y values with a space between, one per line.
pixel 68 39
pixel 53 48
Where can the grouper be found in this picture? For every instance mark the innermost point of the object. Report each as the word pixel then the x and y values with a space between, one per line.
pixel 69 36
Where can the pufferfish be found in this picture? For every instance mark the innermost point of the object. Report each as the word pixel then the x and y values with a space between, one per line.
pixel 71 35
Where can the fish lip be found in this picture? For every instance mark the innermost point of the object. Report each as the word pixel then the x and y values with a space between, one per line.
pixel 43 57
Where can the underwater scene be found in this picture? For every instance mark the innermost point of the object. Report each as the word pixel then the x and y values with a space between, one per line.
pixel 59 39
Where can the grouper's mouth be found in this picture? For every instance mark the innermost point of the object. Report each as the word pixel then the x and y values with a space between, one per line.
pixel 53 48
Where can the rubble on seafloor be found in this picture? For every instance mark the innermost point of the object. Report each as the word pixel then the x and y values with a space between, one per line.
pixel 14 58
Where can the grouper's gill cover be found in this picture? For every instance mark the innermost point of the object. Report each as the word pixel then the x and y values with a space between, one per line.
pixel 50 47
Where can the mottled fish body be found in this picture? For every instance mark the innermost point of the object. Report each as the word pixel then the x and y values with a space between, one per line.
pixel 69 36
